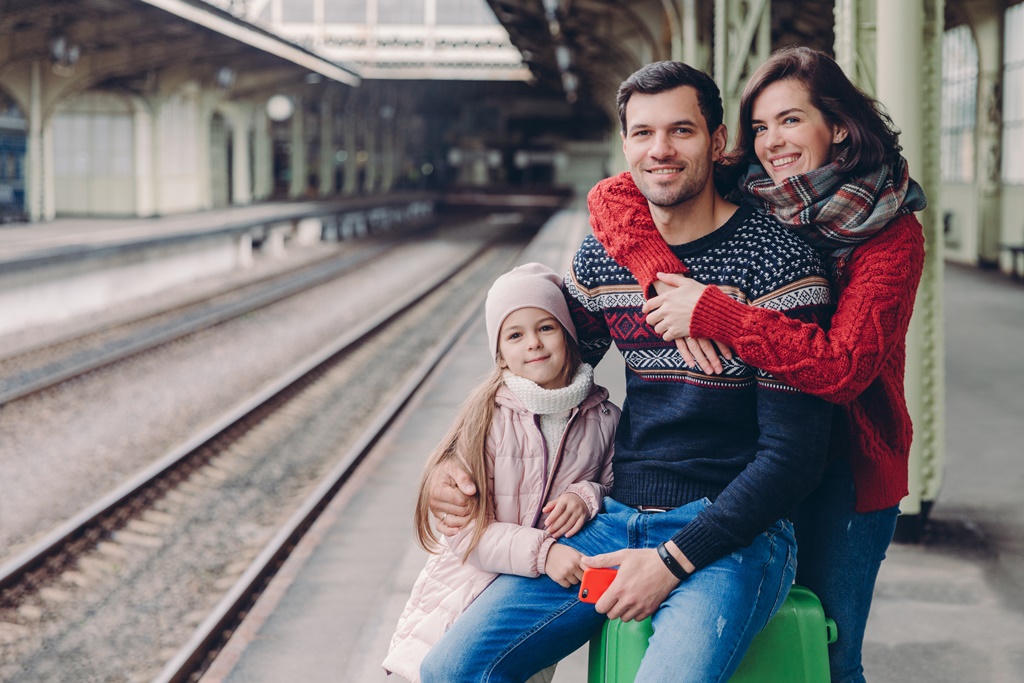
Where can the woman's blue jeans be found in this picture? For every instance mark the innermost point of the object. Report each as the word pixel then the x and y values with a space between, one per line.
pixel 519 625
pixel 841 551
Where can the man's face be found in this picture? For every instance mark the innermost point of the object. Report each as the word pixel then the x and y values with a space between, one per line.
pixel 667 145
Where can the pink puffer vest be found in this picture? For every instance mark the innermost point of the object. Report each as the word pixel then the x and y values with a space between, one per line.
pixel 517 464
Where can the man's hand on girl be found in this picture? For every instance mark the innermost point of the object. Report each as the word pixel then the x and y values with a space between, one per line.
pixel 670 312
pixel 451 489
pixel 641 585
pixel 565 515
pixel 563 565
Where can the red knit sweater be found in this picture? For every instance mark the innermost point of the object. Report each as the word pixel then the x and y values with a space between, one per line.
pixel 858 363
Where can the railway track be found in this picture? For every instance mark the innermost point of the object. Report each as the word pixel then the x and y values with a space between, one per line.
pixel 33 369
pixel 287 449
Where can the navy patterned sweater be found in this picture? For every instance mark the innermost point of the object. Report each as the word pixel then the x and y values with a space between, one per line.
pixel 749 443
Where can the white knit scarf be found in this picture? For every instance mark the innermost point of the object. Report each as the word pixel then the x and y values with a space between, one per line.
pixel 553 405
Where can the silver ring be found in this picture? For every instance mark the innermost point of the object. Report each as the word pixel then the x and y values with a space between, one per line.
pixel 444 516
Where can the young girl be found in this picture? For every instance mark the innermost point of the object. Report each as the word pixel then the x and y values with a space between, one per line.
pixel 537 437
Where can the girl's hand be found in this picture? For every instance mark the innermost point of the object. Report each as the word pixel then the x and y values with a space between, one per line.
pixel 565 515
pixel 670 312
pixel 563 565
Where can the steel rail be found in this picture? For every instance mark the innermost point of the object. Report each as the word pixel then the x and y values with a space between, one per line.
pixel 20 385
pixel 242 593
pixel 15 570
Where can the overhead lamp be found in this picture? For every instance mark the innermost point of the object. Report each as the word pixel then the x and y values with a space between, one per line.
pixel 225 77
pixel 563 57
pixel 63 54
pixel 569 82
pixel 280 107
pixel 551 8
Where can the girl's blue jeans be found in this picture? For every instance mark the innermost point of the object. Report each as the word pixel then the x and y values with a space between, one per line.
pixel 841 551
pixel 519 625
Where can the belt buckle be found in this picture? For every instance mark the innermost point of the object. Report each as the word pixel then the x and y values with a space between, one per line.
pixel 653 508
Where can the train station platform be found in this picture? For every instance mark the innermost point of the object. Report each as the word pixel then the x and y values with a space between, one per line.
pixel 66 268
pixel 949 609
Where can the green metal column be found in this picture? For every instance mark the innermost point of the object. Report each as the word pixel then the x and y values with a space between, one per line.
pixel 388 144
pixel 34 155
pixel 326 171
pixel 263 155
pixel 908 82
pixel 371 139
pixel 987 22
pixel 241 118
pixel 855 41
pixel 350 143
pixel 742 43
pixel 691 44
pixel 297 187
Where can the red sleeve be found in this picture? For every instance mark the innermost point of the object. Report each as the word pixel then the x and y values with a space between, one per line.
pixel 872 317
pixel 622 223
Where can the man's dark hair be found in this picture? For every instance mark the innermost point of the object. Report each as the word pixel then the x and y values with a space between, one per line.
pixel 660 77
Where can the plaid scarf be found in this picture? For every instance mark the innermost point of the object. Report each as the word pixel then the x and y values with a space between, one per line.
pixel 832 212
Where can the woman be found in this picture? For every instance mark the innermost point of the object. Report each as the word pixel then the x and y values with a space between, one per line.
pixel 824 159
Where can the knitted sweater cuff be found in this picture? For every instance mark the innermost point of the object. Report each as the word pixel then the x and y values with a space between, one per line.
pixel 648 258
pixel 699 544
pixel 718 316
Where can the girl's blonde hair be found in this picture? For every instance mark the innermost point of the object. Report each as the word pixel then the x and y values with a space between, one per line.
pixel 466 445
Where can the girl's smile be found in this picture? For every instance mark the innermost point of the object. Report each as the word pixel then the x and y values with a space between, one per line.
pixel 531 344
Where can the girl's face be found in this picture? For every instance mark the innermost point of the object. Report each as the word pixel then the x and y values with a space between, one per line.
pixel 791 135
pixel 531 345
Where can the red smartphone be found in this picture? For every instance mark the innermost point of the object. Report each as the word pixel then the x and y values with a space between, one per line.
pixel 595 582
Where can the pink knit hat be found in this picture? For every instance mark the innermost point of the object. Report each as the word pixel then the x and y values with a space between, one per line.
pixel 532 285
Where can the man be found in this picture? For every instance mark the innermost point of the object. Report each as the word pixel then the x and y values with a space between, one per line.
pixel 706 467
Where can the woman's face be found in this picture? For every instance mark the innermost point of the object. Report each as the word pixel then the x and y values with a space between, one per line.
pixel 791 135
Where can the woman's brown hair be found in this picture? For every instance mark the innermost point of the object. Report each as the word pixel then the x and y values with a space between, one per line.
pixel 871 141
pixel 466 445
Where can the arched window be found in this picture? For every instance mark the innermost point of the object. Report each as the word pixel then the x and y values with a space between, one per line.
pixel 1013 96
pixel 959 104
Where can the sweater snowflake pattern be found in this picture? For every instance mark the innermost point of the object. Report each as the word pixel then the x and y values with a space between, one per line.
pixel 751 444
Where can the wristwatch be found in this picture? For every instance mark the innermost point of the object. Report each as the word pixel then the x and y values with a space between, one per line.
pixel 672 564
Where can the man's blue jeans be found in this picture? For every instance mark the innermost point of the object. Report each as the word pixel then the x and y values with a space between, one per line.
pixel 519 626
pixel 841 551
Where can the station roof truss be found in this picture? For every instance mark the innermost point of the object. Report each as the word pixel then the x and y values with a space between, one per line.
pixel 124 43
pixel 420 46
pixel 598 43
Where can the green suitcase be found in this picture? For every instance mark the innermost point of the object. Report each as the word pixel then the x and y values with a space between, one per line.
pixel 793 647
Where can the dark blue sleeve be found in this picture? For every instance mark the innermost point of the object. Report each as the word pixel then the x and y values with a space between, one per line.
pixel 585 309
pixel 794 430
pixel 792 447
